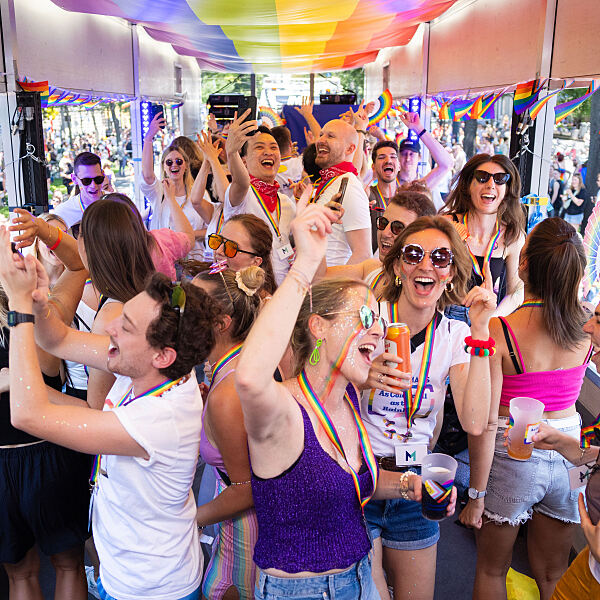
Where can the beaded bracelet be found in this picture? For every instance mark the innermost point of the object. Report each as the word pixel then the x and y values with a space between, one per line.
pixel 404 486
pixel 489 343
pixel 484 352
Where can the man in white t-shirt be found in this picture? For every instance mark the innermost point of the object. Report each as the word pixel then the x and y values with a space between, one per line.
pixel 410 154
pixel 290 170
pixel 253 157
pixel 88 175
pixel 350 241
pixel 148 435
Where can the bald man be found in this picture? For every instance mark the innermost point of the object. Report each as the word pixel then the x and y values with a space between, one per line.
pixel 350 241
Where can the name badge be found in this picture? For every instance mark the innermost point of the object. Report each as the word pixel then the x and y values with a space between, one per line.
pixel 285 252
pixel 410 455
pixel 578 476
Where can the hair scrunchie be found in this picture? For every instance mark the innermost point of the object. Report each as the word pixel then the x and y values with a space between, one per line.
pixel 243 286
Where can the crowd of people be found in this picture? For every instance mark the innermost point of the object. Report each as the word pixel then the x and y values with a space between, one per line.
pixel 238 318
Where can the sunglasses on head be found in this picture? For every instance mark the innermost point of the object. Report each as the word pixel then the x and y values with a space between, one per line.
pixel 177 300
pixel 85 181
pixel 396 226
pixel 230 247
pixel 178 161
pixel 484 176
pixel 367 317
pixel 413 254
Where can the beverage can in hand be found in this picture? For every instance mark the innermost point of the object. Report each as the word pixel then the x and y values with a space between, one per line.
pixel 397 342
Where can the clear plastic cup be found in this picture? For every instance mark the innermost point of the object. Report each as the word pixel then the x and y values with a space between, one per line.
pixel 525 415
pixel 437 476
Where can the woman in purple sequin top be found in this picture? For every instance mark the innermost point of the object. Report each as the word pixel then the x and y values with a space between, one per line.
pixel 313 540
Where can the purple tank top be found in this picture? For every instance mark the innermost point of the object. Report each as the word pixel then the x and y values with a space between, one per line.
pixel 309 517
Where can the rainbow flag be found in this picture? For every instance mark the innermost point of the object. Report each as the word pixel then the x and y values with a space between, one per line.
pixel 462 109
pixel 526 94
pixel 36 86
pixel 561 111
pixel 487 106
pixel 447 111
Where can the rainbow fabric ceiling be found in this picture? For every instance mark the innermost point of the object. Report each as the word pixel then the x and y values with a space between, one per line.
pixel 269 36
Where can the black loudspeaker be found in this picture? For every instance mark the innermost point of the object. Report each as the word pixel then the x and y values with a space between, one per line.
pixel 338 98
pixel 224 106
pixel 32 166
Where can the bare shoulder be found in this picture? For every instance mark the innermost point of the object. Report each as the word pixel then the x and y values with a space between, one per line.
pixel 110 311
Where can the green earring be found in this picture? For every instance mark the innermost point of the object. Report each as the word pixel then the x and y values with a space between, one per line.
pixel 315 357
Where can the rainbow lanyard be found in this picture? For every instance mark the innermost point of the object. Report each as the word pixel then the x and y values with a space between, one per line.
pixel 126 399
pixel 327 424
pixel 380 198
pixel 224 361
pixel 412 403
pixel 323 186
pixel 220 222
pixel 393 312
pixel 490 248
pixel 376 280
pixel 81 204
pixel 261 203
pixel 533 303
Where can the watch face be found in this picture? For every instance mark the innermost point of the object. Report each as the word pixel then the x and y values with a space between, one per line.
pixel 473 493
pixel 12 318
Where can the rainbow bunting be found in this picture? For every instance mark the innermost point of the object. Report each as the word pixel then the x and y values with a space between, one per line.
pixel 385 105
pixel 35 86
pixel 561 111
pixel 526 94
pixel 477 108
pixel 462 109
pixel 447 111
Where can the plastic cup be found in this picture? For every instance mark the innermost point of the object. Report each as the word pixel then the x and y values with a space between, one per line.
pixel 525 414
pixel 437 476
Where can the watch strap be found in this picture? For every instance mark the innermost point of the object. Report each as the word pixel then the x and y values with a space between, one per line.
pixel 423 131
pixel 16 318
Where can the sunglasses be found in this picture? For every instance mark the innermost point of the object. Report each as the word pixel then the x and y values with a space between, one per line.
pixel 177 300
pixel 230 247
pixel 396 226
pixel 484 176
pixel 85 181
pixel 413 254
pixel 178 161
pixel 367 317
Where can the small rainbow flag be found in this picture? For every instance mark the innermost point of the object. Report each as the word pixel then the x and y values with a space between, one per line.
pixel 536 107
pixel 385 105
pixel 486 109
pixel 447 111
pixel 36 86
pixel 462 109
pixel 561 111
pixel 526 94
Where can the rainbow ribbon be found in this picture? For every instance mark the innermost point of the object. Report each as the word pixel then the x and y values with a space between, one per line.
pixel 488 252
pixel 157 390
pixel 261 203
pixel 224 361
pixel 220 221
pixel 393 312
pixel 329 428
pixel 534 303
pixel 376 280
pixel 412 403
pixel 380 198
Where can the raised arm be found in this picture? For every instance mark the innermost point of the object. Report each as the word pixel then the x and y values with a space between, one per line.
pixel 306 110
pixel 211 154
pixel 444 160
pixel 514 285
pixel 359 241
pixel 148 152
pixel 237 136
pixel 180 222
pixel 201 205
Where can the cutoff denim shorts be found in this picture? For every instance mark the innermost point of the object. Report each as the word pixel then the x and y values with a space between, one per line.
pixel 355 583
pixel 518 488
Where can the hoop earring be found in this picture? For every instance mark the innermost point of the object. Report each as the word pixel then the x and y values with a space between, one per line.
pixel 449 287
pixel 315 357
pixel 398 281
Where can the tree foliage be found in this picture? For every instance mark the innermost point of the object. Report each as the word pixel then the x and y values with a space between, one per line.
pixel 582 112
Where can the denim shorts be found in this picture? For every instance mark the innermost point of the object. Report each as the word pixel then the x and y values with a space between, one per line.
pixel 355 583
pixel 104 595
pixel 400 524
pixel 518 488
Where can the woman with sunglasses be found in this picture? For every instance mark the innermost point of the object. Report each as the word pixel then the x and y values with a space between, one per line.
pixel 403 208
pixel 427 269
pixel 245 240
pixel 224 443
pixel 313 469
pixel 486 202
pixel 175 169
pixel 542 353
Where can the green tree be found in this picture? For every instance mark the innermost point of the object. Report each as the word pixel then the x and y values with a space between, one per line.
pixel 351 80
pixel 214 82
pixel 582 112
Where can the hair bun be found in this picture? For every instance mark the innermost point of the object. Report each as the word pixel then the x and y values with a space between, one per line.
pixel 250 279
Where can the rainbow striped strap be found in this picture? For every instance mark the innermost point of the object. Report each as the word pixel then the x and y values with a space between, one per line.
pixel 157 390
pixel 393 312
pixel 220 221
pixel 323 186
pixel 533 303
pixel 274 223
pixel 329 428
pixel 81 204
pixel 412 403
pixel 380 197
pixel 376 281
pixel 489 250
pixel 224 361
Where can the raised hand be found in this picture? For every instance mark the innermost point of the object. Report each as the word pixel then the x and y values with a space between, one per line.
pixel 209 149
pixel 360 117
pixel 18 275
pixel 309 136
pixel 412 121
pixel 28 227
pixel 306 109
pixel 212 124
pixel 155 125
pixel 239 133
pixel 388 378
pixel 481 301
pixel 169 189
pixel 376 132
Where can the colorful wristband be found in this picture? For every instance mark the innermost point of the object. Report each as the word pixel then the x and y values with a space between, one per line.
pixel 421 133
pixel 489 343
pixel 483 352
pixel 58 240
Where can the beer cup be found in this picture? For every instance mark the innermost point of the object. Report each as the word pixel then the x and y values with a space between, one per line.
pixel 437 476
pixel 525 417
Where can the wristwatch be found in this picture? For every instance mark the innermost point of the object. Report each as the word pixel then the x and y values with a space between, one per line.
pixel 476 494
pixel 14 318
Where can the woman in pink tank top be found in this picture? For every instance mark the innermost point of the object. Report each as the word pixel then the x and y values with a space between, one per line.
pixel 542 352
pixel 224 442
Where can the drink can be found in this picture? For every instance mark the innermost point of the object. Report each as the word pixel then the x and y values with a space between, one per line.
pixel 397 342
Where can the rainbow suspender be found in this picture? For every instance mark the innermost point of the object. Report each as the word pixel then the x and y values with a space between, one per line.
pixel 332 434
pixel 490 248
pixel 224 361
pixel 263 206
pixel 126 399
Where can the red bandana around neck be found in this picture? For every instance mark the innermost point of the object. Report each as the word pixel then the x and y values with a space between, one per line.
pixel 267 191
pixel 330 172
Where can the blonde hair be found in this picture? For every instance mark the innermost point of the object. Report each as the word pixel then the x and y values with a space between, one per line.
pixel 188 181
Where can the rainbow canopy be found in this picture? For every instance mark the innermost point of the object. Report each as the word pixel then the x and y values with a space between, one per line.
pixel 268 36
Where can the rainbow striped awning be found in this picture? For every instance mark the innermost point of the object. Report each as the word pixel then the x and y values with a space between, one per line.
pixel 269 36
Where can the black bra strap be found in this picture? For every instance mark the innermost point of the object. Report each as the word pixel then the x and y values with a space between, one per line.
pixel 511 350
